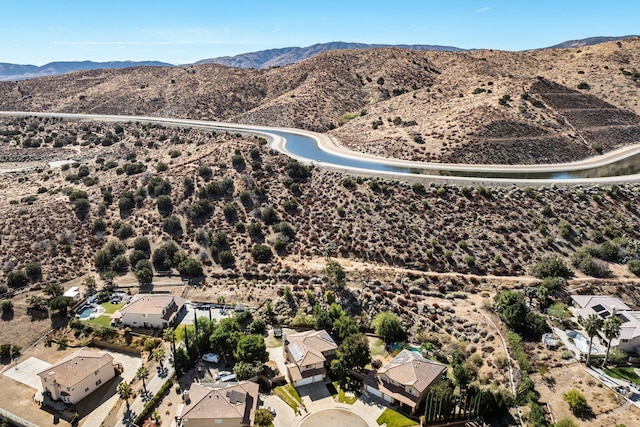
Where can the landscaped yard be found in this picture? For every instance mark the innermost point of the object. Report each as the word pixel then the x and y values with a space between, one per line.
pixel 102 321
pixel 290 395
pixel 110 308
pixel 395 419
pixel 624 373
pixel 336 391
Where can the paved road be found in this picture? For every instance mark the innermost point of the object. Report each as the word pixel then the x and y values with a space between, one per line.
pixel 326 143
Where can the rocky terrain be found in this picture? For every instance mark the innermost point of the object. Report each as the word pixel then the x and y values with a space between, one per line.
pixel 481 106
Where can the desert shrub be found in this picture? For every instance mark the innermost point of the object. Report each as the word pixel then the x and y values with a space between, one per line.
pixel 297 171
pixel 348 182
pixel 565 422
pixel 142 244
pixel 261 253
pixel 172 225
pixel 17 278
pixel 634 266
pixel 551 266
pixel 122 230
pixel 290 205
pixel 164 204
pixel 226 258
pixel 576 400
pixel 161 166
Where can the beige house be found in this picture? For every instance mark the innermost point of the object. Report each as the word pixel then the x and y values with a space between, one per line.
pixel 78 375
pixel 233 405
pixel 306 354
pixel 405 380
pixel 604 306
pixel 151 311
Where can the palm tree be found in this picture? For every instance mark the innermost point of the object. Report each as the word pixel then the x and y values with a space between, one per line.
pixel 125 392
pixel 611 330
pixel 592 325
pixel 159 355
pixel 143 373
pixel 169 335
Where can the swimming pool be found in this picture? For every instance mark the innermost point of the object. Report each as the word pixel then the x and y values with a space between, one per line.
pixel 86 312
pixel 581 342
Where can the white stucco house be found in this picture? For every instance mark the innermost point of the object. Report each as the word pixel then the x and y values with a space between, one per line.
pixel 306 354
pixel 605 306
pixel 78 375
pixel 151 311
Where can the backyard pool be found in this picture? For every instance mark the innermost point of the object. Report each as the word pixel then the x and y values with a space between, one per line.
pixel 88 312
pixel 581 342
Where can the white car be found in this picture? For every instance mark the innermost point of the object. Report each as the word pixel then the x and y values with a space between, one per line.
pixel 211 357
pixel 223 374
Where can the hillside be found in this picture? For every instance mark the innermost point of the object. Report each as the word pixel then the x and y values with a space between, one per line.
pixel 290 55
pixel 20 72
pixel 438 106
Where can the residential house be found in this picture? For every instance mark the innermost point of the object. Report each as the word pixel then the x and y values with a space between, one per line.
pixel 151 311
pixel 306 354
pixel 604 306
pixel 231 405
pixel 78 375
pixel 405 380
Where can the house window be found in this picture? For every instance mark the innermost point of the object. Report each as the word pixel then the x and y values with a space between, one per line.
pixel 86 389
pixel 98 383
pixel 624 340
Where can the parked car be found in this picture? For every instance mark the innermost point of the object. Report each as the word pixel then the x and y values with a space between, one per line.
pixel 228 378
pixel 211 357
pixel 223 374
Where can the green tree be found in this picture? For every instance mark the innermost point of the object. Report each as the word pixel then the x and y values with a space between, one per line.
pixel 611 330
pixel 33 271
pixel 144 275
pixel 566 422
pixel 125 392
pixel 335 274
pixel 143 374
pixel 512 309
pixel 263 417
pixel 352 354
pixel 54 290
pixel 190 267
pixel 551 266
pixel 159 355
pixel 61 304
pixel 576 400
pixel 261 253
pixel 591 326
pixel 388 326
pixel 251 349
pixel 169 335
pixel 17 279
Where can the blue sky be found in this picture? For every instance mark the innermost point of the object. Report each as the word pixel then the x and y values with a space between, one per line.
pixel 40 31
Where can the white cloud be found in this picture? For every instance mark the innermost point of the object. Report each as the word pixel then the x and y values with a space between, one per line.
pixel 482 9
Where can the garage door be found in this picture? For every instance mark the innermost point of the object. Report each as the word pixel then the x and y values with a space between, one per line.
pixel 374 391
pixel 304 381
pixel 388 398
pixel 318 378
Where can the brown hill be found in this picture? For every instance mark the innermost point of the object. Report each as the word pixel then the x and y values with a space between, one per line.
pixel 443 106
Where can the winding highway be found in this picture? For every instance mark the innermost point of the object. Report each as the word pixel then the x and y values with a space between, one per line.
pixel 619 166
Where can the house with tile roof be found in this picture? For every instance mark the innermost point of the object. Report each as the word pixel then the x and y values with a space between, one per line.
pixel 405 380
pixel 230 405
pixel 78 375
pixel 605 306
pixel 151 311
pixel 306 354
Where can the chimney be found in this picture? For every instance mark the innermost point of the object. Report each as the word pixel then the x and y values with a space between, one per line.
pixel 614 310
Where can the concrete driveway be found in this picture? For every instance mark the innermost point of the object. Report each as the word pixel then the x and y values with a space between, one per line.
pixel 129 362
pixel 315 395
pixel 275 354
pixel 27 372
pixel 285 417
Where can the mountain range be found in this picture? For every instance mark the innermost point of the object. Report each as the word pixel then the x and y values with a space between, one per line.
pixel 261 59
